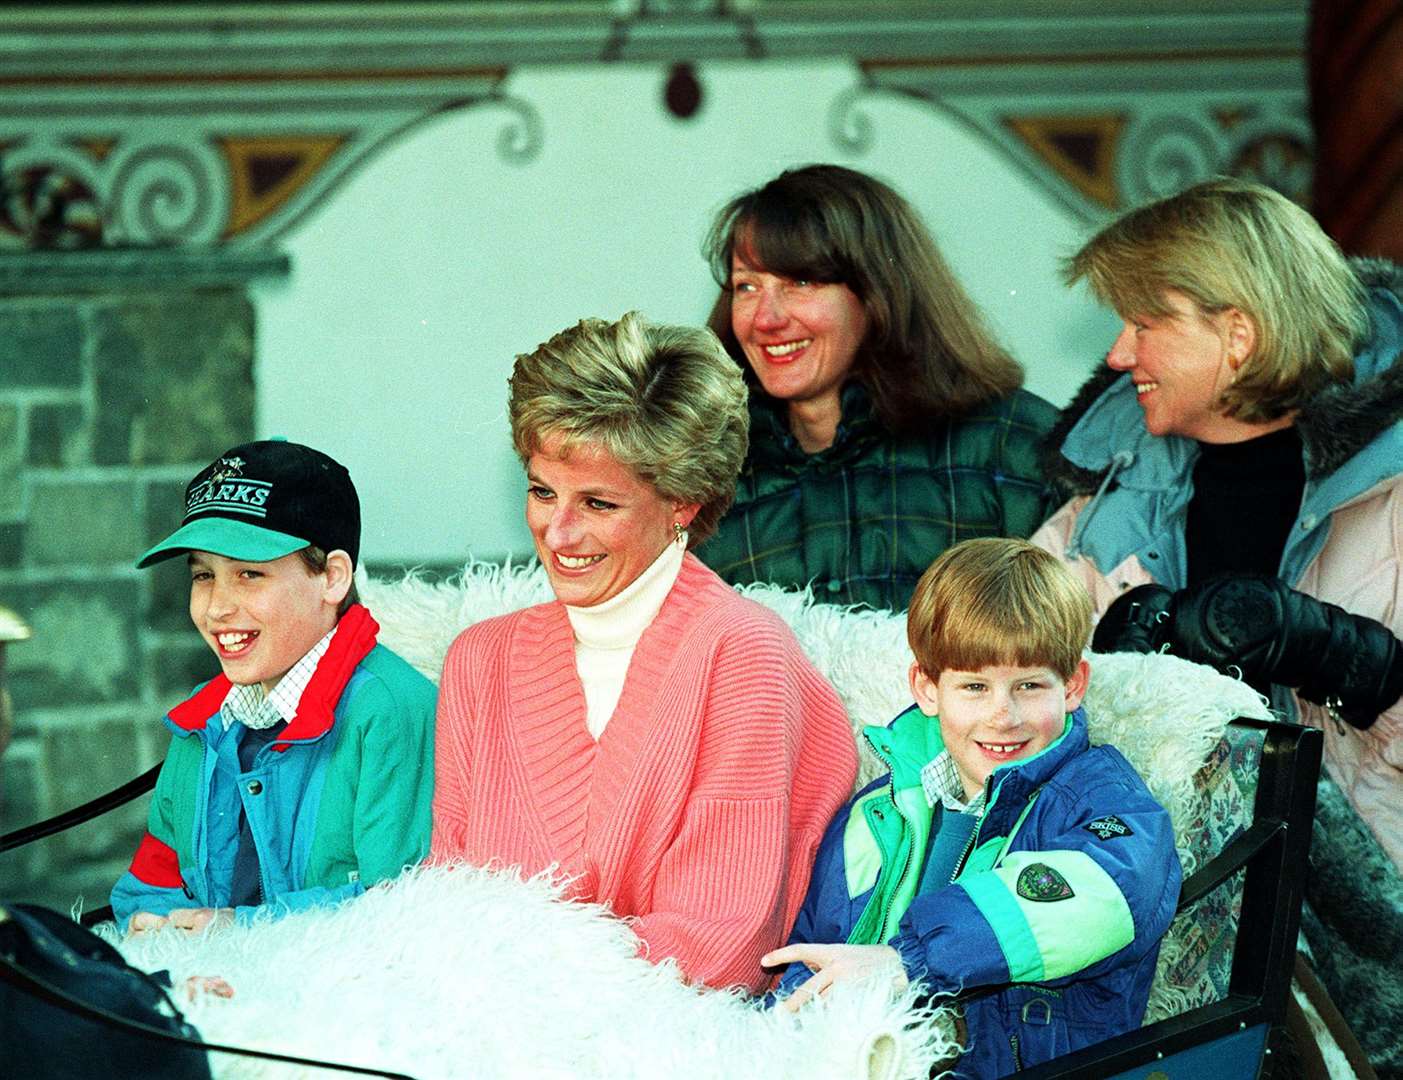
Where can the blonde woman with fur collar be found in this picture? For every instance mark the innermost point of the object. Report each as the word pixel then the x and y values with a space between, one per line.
pixel 1237 479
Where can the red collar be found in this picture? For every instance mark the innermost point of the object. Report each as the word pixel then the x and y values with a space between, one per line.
pixel 354 638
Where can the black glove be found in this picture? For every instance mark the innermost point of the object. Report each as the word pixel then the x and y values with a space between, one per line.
pixel 1138 621
pixel 1256 627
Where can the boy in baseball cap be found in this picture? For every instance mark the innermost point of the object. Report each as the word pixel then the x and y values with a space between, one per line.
pixel 303 773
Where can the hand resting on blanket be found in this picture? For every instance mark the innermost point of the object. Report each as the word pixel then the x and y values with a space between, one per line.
pixel 191 920
pixel 837 963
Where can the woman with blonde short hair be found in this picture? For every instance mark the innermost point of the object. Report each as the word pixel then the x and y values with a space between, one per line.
pixel 887 423
pixel 1237 482
pixel 659 739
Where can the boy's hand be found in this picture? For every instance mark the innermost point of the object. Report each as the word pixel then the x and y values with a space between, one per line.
pixel 193 920
pixel 832 963
pixel 144 921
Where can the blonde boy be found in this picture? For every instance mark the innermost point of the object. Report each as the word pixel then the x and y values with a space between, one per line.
pixel 1003 858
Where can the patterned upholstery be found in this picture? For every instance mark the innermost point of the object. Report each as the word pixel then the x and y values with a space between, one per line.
pixel 1195 960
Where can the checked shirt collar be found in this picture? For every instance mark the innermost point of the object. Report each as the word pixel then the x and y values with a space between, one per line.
pixel 942 785
pixel 772 442
pixel 250 706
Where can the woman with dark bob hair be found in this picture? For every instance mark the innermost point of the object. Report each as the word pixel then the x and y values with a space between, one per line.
pixel 659 739
pixel 1237 481
pixel 886 422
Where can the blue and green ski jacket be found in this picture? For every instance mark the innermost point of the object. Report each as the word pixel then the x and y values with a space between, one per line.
pixel 1051 926
pixel 337 802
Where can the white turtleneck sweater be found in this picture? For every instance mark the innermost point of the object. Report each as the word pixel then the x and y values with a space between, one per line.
pixel 606 634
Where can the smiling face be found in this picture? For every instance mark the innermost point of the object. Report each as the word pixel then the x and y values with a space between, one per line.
pixel 998 714
pixel 1181 363
pixel 260 618
pixel 799 337
pixel 596 524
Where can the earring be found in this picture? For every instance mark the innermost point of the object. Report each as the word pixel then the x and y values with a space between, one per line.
pixel 679 532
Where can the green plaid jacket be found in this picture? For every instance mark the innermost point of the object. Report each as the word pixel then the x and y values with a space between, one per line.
pixel 862 519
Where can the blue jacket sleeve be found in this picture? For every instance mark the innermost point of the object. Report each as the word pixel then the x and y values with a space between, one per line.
pixel 1096 882
pixel 131 895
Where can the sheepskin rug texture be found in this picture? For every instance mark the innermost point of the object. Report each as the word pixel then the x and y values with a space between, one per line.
pixel 465 972
pixel 475 972
pixel 1165 714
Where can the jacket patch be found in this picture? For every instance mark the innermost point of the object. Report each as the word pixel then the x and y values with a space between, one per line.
pixel 1040 882
pixel 1109 827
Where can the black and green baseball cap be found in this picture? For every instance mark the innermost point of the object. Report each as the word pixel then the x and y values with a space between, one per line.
pixel 263 500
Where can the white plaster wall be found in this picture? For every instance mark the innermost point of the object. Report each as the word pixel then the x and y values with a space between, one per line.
pixel 433 266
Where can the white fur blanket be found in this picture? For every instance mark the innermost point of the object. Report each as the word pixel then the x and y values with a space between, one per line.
pixel 473 973
pixel 476 973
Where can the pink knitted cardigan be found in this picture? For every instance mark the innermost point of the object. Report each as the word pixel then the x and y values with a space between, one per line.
pixel 698 812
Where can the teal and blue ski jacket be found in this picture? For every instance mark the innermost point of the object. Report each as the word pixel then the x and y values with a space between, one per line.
pixel 1050 927
pixel 337 802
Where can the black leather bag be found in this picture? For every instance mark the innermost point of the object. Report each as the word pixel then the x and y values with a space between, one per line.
pixel 72 1009
pixel 47 963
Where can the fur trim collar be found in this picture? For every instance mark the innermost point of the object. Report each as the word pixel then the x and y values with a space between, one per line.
pixel 1342 419
pixel 1335 425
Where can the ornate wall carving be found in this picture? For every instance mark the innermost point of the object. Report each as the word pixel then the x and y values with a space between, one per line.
pixel 1104 132
pixel 196 124
pixel 145 164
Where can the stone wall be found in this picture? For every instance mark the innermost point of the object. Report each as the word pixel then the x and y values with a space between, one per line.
pixel 121 375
